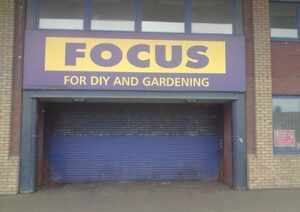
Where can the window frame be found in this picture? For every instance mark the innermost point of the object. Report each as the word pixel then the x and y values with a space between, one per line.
pixel 282 150
pixel 286 4
pixel 87 17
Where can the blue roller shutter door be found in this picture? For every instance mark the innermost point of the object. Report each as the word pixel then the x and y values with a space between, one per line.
pixel 120 142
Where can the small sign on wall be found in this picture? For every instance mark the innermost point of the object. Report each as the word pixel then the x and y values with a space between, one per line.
pixel 285 138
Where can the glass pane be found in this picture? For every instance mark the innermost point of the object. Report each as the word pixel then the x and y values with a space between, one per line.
pixel 163 16
pixel 212 16
pixel 283 21
pixel 30 14
pixel 61 14
pixel 286 123
pixel 113 15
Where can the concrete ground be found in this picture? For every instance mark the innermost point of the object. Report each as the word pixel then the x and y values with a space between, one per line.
pixel 151 197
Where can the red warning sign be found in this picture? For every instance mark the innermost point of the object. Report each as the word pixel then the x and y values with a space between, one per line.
pixel 285 138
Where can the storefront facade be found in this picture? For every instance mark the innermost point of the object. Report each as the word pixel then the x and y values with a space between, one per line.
pixel 149 90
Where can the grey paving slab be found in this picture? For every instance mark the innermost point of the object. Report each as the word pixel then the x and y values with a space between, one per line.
pixel 151 197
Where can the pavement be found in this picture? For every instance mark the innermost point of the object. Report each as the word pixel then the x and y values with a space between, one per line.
pixel 151 197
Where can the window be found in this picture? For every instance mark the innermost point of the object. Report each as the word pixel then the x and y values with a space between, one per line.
pixel 163 16
pixel 117 15
pixel 286 124
pixel 175 16
pixel 283 20
pixel 58 14
pixel 214 16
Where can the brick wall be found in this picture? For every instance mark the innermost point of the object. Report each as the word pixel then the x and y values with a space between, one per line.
pixel 259 163
pixel 9 165
pixel 248 29
pixel 266 170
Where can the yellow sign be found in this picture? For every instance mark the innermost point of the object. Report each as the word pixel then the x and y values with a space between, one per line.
pixel 134 55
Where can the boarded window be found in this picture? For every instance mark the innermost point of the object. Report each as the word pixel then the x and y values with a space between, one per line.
pixel 61 14
pixel 213 16
pixel 283 20
pixel 163 16
pixel 117 15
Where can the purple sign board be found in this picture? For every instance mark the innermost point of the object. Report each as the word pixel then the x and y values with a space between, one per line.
pixel 77 60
